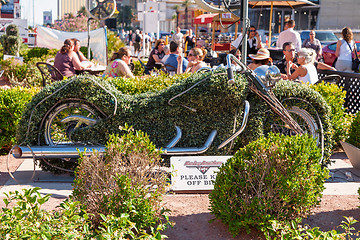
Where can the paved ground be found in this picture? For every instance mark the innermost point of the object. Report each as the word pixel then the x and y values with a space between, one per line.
pixel 190 211
pixel 345 180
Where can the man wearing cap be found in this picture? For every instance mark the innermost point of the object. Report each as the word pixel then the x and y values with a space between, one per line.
pixel 262 57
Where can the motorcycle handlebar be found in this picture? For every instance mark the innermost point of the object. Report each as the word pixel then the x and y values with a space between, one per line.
pixel 229 60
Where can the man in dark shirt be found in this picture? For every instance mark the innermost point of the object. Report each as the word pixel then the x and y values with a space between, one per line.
pixel 289 57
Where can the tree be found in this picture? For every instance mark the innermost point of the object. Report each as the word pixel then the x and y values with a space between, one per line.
pixel 177 8
pixel 70 23
pixel 82 11
pixel 186 4
pixel 125 16
pixel 11 40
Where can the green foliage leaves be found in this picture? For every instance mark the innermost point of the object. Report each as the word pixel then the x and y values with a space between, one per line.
pixel 274 178
pixel 11 40
pixel 25 219
pixel 354 135
pixel 114 43
pixel 335 98
pixel 128 180
pixel 12 104
pixel 21 74
pixel 293 230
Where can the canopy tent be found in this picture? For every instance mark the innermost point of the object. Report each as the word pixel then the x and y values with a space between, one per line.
pixel 52 38
pixel 216 20
pixel 204 18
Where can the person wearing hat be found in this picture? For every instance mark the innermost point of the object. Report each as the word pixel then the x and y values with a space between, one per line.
pixel 262 57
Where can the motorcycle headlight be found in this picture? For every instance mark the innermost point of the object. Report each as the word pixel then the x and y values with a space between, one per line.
pixel 269 75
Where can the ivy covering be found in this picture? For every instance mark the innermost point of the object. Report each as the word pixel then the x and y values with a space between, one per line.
pixel 212 104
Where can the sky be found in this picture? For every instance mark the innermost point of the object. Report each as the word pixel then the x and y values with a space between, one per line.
pixel 39 6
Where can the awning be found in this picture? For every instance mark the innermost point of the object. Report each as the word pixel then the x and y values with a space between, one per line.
pixel 204 18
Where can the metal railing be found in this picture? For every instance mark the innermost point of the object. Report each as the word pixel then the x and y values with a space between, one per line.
pixel 351 84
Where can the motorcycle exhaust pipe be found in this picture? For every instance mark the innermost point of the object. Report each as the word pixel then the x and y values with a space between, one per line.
pixel 58 151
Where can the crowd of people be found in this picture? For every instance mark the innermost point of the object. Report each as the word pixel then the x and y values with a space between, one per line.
pixel 299 63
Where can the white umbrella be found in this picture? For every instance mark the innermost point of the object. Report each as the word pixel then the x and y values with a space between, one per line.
pixel 279 4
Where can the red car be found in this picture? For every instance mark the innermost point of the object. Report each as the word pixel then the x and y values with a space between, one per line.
pixel 328 52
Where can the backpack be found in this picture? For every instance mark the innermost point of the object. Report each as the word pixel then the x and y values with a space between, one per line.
pixel 137 38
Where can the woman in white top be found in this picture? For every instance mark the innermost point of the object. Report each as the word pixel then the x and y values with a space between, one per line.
pixel 306 71
pixel 344 49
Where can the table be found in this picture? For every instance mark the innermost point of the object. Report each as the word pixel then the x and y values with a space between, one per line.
pixel 96 70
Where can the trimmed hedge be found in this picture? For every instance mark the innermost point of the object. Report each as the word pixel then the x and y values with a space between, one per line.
pixel 216 102
pixel 354 135
pixel 335 98
pixel 12 105
pixel 274 178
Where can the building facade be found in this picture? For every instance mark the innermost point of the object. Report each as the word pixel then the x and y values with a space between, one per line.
pixel 69 6
pixel 335 14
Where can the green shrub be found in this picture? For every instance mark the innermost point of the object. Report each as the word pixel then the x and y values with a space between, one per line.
pixel 114 43
pixel 21 74
pixel 292 230
pixel 138 85
pixel 84 51
pixel 12 104
pixel 354 134
pixel 26 220
pixel 23 218
pixel 275 178
pixel 36 52
pixel 138 69
pixel 335 98
pixel 128 180
pixel 11 40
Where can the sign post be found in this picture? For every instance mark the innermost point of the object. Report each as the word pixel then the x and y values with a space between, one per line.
pixel 195 173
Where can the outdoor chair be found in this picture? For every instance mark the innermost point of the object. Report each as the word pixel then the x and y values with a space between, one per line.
pixel 170 69
pixel 333 79
pixel 49 73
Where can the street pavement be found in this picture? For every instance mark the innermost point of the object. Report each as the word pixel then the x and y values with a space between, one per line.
pixel 345 179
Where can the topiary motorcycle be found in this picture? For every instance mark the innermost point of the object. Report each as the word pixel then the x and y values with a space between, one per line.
pixel 212 112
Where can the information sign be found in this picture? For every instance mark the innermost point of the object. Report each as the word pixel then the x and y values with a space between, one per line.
pixel 195 172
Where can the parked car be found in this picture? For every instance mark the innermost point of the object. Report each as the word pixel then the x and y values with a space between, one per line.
pixel 164 34
pixel 325 37
pixel 329 52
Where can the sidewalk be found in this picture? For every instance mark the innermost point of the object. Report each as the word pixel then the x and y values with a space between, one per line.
pixel 345 179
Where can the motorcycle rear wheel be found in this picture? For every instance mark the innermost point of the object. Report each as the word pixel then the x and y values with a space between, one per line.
pixel 58 132
pixel 302 113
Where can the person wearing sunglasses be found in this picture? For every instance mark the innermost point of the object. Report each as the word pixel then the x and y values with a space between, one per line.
pixel 313 43
pixel 156 56
pixel 254 41
pixel 306 71
pixel 291 60
pixel 196 60
pixel 119 64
